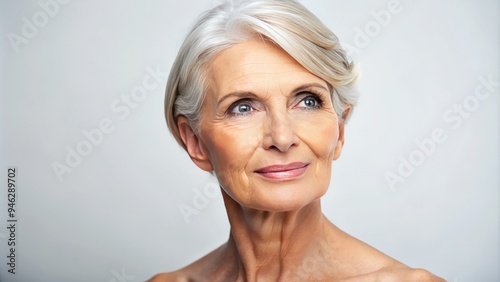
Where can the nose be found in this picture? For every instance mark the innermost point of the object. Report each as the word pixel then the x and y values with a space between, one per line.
pixel 279 133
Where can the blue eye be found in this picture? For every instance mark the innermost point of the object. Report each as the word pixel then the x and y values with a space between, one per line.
pixel 241 108
pixel 310 102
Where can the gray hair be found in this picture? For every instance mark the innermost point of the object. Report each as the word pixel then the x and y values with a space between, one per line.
pixel 288 24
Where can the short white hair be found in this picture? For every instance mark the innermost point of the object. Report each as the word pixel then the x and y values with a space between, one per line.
pixel 287 24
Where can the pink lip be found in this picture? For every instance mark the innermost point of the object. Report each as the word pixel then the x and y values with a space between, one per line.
pixel 283 172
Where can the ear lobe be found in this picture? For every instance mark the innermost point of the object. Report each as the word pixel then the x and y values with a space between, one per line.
pixel 194 145
pixel 337 150
pixel 340 141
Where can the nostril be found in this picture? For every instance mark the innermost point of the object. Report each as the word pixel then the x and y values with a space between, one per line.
pixel 281 146
pixel 273 147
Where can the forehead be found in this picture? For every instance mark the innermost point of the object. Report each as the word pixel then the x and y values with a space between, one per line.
pixel 256 62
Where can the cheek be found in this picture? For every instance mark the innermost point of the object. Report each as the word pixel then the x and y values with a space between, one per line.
pixel 230 147
pixel 321 135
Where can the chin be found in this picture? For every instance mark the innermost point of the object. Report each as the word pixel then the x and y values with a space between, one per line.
pixel 284 200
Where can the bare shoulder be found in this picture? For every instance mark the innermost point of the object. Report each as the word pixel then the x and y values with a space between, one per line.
pixel 196 271
pixel 364 263
pixel 170 276
pixel 397 274
pixel 411 274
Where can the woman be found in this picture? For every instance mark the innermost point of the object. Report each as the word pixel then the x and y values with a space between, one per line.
pixel 259 95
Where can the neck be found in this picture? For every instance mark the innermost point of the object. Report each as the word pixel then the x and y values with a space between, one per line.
pixel 277 245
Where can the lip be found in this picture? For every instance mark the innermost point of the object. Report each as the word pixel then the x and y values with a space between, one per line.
pixel 283 172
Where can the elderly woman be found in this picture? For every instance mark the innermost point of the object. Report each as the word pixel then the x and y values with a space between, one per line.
pixel 258 96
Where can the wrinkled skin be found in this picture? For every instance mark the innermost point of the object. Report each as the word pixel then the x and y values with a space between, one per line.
pixel 269 131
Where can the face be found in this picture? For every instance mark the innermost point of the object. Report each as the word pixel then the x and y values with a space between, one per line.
pixel 267 128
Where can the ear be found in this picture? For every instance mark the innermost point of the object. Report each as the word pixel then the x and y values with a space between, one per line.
pixel 194 146
pixel 340 142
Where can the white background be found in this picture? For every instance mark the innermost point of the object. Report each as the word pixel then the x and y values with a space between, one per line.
pixel 116 216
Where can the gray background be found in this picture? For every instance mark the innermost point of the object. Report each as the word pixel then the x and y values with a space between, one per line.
pixel 116 216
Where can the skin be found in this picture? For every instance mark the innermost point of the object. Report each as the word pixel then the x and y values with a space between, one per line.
pixel 263 109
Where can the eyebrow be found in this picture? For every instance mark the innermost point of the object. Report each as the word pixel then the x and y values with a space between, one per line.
pixel 309 85
pixel 237 94
pixel 248 94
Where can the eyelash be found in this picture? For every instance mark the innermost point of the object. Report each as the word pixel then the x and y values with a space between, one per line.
pixel 249 102
pixel 316 97
pixel 234 105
